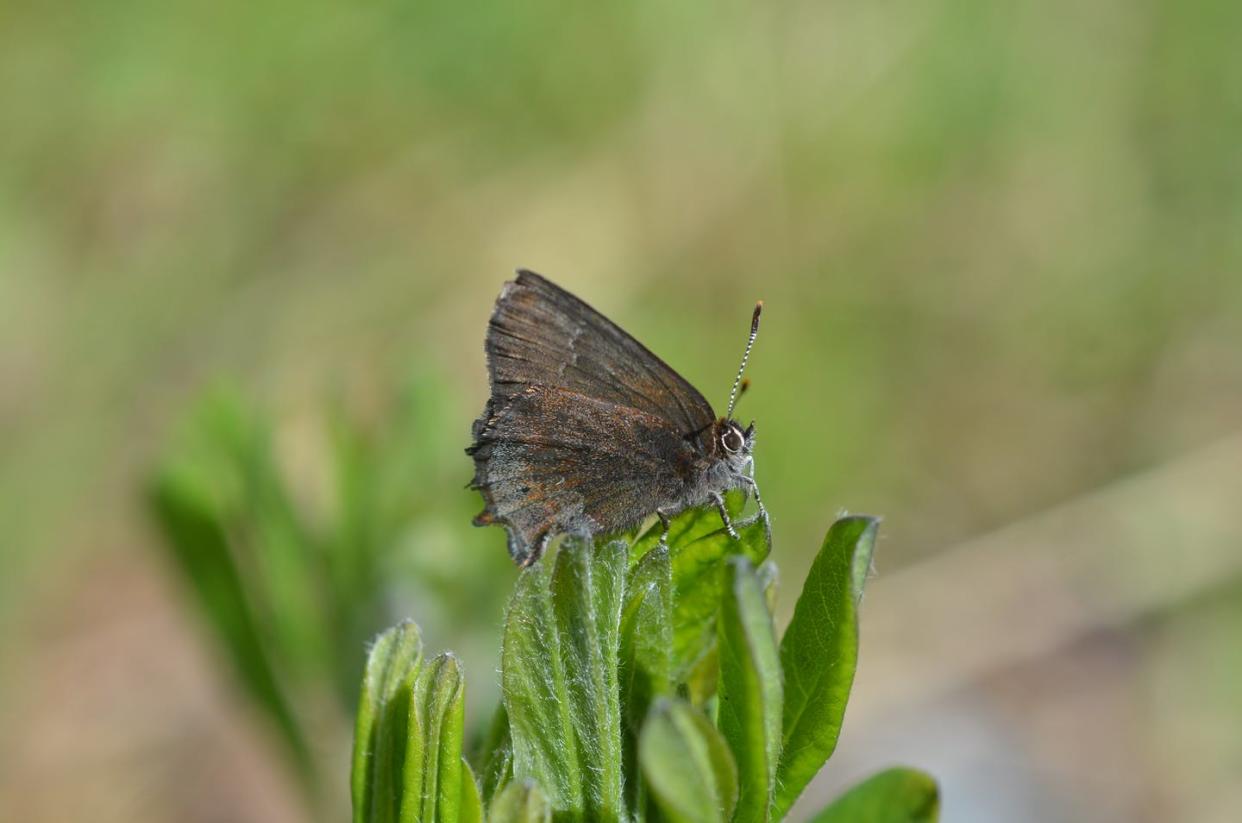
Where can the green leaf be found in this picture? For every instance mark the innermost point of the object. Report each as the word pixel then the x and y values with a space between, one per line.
pixel 200 547
pixel 698 585
pixel 687 764
pixel 382 727
pixel 495 755
pixel 520 802
pixel 749 691
pixel 646 636
pixel 407 763
pixel 699 684
pixel 433 775
pixel 470 806
pixel 645 666
pixel 769 577
pixel 819 653
pixel 892 796
pixel 218 488
pixel 560 680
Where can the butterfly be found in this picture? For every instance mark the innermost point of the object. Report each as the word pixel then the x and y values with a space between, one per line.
pixel 587 432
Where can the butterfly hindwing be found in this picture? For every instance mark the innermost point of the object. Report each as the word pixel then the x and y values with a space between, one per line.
pixel 551 461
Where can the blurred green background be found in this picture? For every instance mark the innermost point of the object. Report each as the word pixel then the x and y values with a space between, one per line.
pixel 1000 247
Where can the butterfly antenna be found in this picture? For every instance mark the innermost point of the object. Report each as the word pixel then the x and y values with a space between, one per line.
pixel 737 381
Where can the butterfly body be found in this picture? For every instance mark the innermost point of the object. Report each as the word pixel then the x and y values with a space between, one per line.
pixel 586 431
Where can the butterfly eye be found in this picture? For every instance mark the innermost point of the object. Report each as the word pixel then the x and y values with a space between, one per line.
pixel 732 440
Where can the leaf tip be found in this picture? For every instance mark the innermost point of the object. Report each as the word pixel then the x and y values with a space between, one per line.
pixel 857 532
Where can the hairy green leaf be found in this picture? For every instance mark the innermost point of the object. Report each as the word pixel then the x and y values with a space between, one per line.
pixel 646 636
pixel 819 653
pixel 407 763
pixel 382 728
pixel 432 784
pixel 520 802
pixel 687 764
pixel 749 692
pixel 560 679
pixel 646 665
pixel 892 796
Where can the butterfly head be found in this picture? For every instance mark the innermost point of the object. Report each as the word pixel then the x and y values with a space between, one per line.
pixel 733 443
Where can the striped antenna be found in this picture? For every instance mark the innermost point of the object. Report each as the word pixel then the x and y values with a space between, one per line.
pixel 737 381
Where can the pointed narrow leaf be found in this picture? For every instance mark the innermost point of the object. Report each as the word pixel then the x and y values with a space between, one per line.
pixel 433 778
pixel 560 680
pixel 381 729
pixel 749 691
pixel 520 802
pixel 687 765
pixel 819 653
pixel 198 541
pixel 892 796
pixel 470 806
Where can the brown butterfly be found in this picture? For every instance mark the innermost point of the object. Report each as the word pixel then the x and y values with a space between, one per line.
pixel 587 432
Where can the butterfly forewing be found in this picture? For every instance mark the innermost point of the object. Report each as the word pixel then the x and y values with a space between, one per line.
pixel 542 335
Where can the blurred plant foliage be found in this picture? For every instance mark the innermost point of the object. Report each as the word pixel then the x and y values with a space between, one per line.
pixel 294 589
pixel 639 683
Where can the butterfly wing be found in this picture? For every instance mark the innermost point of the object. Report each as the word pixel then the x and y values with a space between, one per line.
pixel 551 461
pixel 586 430
pixel 541 335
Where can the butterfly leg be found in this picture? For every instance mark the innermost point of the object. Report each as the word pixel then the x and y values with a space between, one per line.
pixel 665 524
pixel 754 487
pixel 724 515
